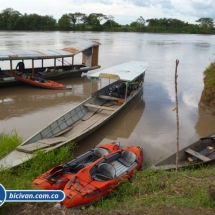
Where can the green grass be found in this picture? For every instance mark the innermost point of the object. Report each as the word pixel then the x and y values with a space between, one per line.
pixel 21 177
pixel 8 142
pixel 207 100
pixel 146 190
pixel 209 79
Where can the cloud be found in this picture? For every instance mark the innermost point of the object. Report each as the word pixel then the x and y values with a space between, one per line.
pixel 155 3
pixel 178 8
pixel 124 11
pixel 196 8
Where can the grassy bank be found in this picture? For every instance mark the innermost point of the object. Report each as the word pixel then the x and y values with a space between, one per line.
pixel 21 177
pixel 148 192
pixel 8 142
pixel 207 100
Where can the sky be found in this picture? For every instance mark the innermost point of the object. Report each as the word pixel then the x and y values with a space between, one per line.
pixel 123 11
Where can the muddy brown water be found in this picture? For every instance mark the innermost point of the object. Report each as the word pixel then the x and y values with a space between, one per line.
pixel 148 121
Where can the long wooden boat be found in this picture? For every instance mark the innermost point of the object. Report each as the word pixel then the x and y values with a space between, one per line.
pixel 50 64
pixel 57 177
pixel 40 82
pixel 126 81
pixel 101 177
pixel 201 152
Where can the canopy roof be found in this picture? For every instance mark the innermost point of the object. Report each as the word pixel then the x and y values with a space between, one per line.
pixel 47 53
pixel 125 72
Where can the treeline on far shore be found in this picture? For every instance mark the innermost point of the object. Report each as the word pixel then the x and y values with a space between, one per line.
pixel 11 19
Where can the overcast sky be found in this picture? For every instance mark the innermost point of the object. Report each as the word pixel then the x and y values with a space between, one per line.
pixel 123 11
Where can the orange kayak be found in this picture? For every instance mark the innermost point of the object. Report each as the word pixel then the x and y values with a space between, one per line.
pixel 101 177
pixel 40 82
pixel 57 177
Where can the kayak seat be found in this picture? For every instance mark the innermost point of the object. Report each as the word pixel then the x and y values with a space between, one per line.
pixel 105 172
pixel 127 158
pixel 99 152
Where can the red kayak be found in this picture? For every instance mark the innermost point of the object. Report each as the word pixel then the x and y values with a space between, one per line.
pixel 40 82
pixel 101 177
pixel 57 177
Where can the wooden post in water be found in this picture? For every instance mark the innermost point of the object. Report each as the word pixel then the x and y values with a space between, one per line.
pixel 177 119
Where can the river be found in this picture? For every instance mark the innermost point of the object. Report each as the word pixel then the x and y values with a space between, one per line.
pixel 148 121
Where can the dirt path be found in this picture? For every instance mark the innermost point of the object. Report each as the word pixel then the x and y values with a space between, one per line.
pixel 47 208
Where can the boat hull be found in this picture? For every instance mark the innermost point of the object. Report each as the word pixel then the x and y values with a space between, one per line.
pixel 186 160
pixel 8 81
pixel 57 177
pixel 15 157
pixel 39 82
pixel 85 187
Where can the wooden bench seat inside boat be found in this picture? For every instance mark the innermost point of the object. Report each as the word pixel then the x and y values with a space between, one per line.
pixel 197 154
pixel 63 131
pixel 110 98
pixel 99 107
pixel 41 144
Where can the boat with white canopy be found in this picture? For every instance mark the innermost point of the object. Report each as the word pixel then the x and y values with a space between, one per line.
pixel 125 81
pixel 49 64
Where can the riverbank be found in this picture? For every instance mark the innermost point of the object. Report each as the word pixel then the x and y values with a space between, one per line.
pixel 207 101
pixel 152 193
pixel 149 192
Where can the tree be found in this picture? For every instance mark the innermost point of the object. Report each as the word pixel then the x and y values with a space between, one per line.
pixel 110 18
pixel 92 20
pixel 100 17
pixel 206 22
pixel 206 25
pixel 34 22
pixel 111 23
pixel 152 22
pixel 8 18
pixel 64 22
pixel 141 22
pixel 77 17
pixel 48 23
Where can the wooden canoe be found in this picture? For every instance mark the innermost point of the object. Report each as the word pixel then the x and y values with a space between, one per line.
pixel 201 152
pixel 88 116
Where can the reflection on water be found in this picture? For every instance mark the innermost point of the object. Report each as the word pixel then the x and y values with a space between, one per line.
pixel 31 99
pixel 148 122
pixel 205 124
pixel 32 108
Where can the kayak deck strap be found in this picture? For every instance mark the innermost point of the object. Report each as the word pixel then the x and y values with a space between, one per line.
pixel 198 155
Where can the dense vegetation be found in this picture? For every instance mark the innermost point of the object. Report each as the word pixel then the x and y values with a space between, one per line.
pixel 190 191
pixel 11 19
pixel 207 100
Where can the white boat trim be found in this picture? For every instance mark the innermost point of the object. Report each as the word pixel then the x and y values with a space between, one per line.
pixel 126 72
